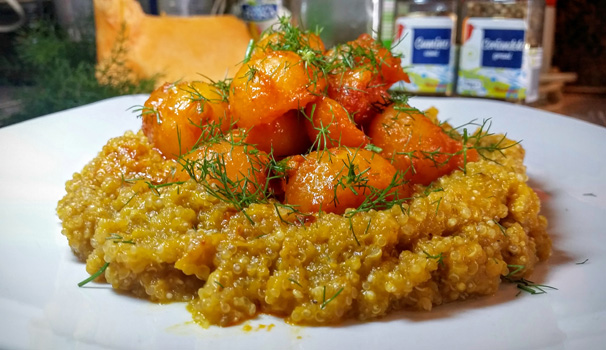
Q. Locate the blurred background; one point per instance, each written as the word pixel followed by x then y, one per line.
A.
pixel 49 57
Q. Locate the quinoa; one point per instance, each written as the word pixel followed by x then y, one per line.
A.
pixel 453 241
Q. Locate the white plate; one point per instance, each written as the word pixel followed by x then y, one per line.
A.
pixel 42 308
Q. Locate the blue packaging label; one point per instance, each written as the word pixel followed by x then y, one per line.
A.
pixel 502 48
pixel 431 46
pixel 493 60
pixel 259 13
pixel 427 53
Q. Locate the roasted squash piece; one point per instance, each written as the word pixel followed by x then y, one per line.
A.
pixel 266 88
pixel 227 167
pixel 362 72
pixel 417 146
pixel 176 116
pixel 329 125
pixel 335 179
pixel 282 137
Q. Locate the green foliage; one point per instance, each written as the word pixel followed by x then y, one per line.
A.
pixel 60 72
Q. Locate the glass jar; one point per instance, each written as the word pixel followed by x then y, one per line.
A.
pixel 259 15
pixel 500 49
pixel 340 20
pixel 184 7
pixel 424 37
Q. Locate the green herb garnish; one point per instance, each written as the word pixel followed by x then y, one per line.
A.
pixel 324 301
pixel 94 275
pixel 373 148
pixel 531 287
pixel 295 282
pixel 118 239
pixel 439 257
pixel 526 285
pixel 501 227
pixel 517 268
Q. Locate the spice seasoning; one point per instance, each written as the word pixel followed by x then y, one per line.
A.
pixel 425 34
pixel 500 55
